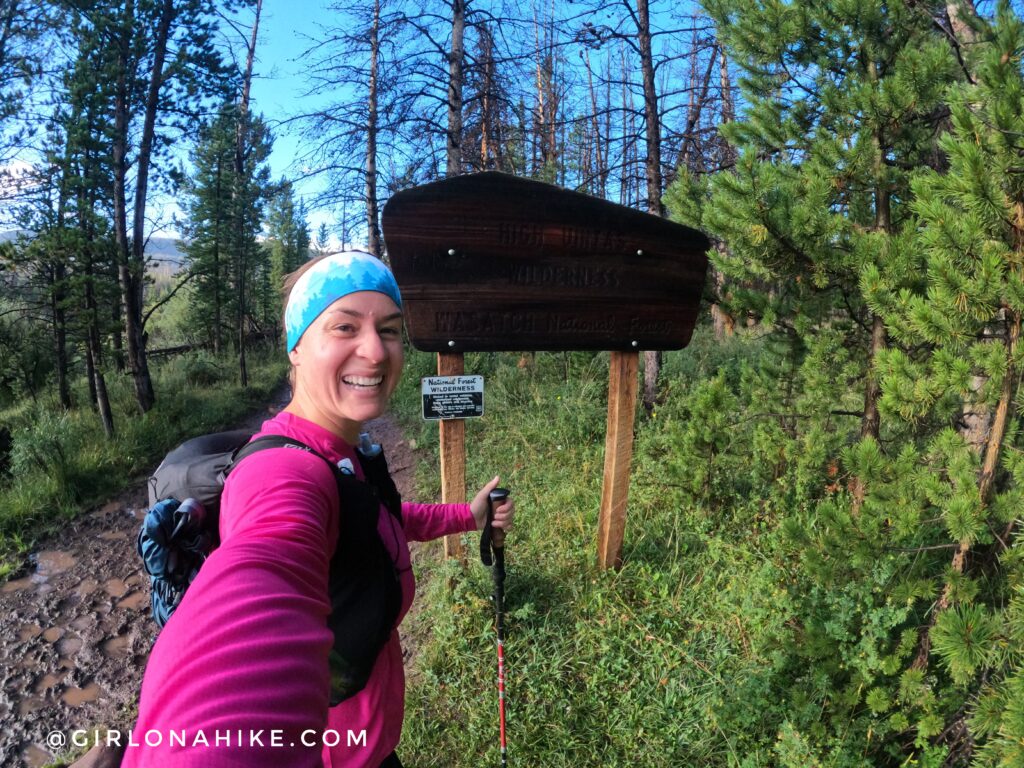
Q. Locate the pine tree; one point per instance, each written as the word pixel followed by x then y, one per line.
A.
pixel 843 105
pixel 287 243
pixel 323 239
pixel 225 217
pixel 89 181
pixel 159 53
pixel 962 328
pixel 24 27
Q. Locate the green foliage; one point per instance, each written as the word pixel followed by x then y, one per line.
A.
pixel 26 360
pixel 287 243
pixel 963 637
pixel 61 461
pixel 231 271
pixel 841 218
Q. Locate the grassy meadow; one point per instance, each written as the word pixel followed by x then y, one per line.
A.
pixel 654 665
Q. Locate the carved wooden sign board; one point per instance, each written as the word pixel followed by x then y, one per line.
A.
pixel 492 262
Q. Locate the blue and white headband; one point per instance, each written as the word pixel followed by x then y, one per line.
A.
pixel 327 281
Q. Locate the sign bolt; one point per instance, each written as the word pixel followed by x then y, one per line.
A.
pixel 451 251
pixel 635 343
pixel 451 343
pixel 639 252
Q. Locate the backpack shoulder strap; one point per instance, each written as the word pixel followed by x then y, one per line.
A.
pixel 274 441
pixel 375 469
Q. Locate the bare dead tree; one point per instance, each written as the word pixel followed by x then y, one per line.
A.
pixel 241 149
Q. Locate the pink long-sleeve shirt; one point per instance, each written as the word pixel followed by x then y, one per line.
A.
pixel 242 664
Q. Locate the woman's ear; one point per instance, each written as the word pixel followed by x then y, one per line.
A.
pixel 293 356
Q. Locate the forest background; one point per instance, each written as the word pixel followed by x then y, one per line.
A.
pixel 823 562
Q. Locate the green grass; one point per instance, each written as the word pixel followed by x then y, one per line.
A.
pixel 603 667
pixel 62 463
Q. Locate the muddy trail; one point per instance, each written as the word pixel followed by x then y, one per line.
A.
pixel 75 625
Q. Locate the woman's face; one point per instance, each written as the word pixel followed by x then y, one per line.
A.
pixel 347 362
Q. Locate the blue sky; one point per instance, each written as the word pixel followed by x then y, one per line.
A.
pixel 286 29
pixel 279 82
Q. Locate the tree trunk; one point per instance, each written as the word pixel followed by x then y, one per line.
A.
pixel 976 417
pixel 652 170
pixel 241 141
pixel 455 61
pixel 696 109
pixel 117 320
pixel 652 166
pixel 723 323
pixel 90 377
pixel 135 331
pixel 870 424
pixel 131 268
pixel 489 144
pixel 243 371
pixel 100 384
pixel 631 171
pixel 372 216
pixel 97 383
pixel 600 155
pixel 218 320
pixel 56 273
pixel 871 421
pixel 60 336
pixel 986 480
pixel 539 132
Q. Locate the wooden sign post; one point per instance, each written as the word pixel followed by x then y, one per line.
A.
pixel 453 454
pixel 618 455
pixel 491 262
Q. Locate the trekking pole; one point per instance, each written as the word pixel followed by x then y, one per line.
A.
pixel 495 539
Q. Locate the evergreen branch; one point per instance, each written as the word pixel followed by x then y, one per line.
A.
pixel 922 549
pixel 855 316
pixel 24 309
pixel 168 297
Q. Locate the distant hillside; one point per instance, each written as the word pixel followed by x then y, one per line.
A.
pixel 10 234
pixel 163 250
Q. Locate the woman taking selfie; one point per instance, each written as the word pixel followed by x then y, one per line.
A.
pixel 285 649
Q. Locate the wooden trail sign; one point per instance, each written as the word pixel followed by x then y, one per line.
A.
pixel 494 262
pixel 491 262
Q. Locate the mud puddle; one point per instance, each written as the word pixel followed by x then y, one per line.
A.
pixel 76 629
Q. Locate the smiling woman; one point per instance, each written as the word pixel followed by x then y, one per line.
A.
pixel 347 363
pixel 286 643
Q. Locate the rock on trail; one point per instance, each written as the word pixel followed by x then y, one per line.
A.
pixel 75 631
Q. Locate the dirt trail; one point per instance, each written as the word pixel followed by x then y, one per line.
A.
pixel 76 630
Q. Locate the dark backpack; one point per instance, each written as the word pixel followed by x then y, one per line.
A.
pixel 363 584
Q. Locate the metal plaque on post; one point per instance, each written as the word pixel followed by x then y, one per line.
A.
pixel 452 397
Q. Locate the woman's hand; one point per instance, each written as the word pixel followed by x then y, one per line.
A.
pixel 503 513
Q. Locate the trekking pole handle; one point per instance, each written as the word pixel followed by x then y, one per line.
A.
pixel 494 498
pixel 490 537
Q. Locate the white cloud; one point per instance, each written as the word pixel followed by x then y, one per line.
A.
pixel 16 177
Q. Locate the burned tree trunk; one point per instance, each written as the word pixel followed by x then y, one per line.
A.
pixel 373 239
pixel 456 57
pixel 241 144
